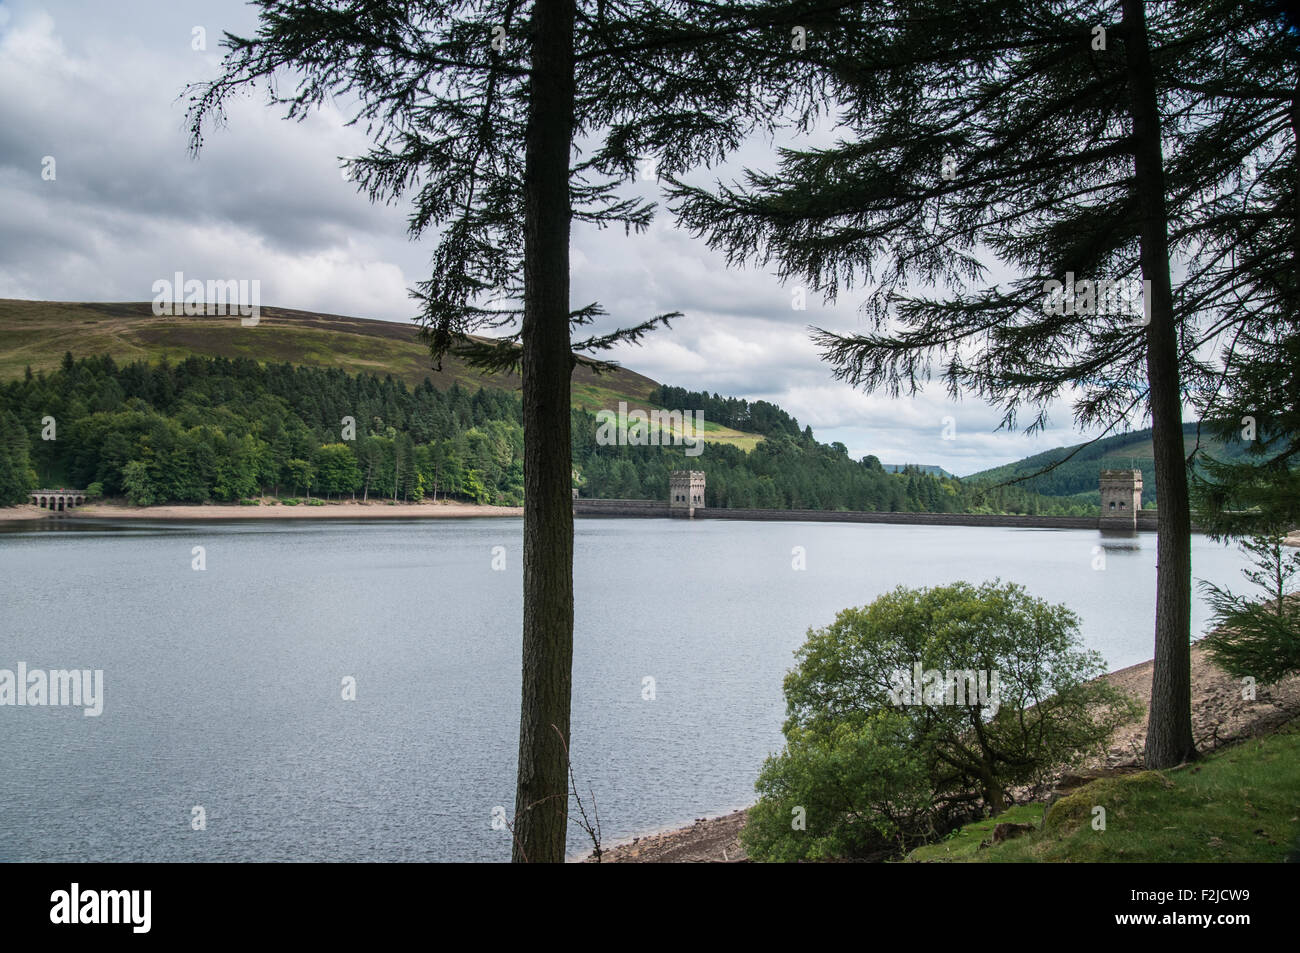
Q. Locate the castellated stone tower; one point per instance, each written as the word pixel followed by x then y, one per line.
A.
pixel 685 492
pixel 1121 498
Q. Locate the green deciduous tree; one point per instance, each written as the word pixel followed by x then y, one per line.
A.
pixel 299 474
pixel 884 744
pixel 137 485
pixel 336 469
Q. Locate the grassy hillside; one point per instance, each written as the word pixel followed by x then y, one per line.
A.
pixel 38 333
pixel 1077 478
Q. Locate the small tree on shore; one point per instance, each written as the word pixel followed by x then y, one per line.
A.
pixel 1252 638
pixel 884 745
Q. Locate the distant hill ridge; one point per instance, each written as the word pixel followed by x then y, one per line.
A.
pixel 1077 478
pixel 36 334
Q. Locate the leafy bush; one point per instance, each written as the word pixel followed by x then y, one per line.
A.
pixel 95 491
pixel 857 784
pixel 884 746
pixel 290 501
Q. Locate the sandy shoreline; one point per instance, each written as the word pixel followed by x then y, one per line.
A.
pixel 375 509
pixel 273 509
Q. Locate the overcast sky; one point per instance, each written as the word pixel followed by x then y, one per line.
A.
pixel 97 85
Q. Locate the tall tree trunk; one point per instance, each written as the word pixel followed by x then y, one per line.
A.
pixel 541 797
pixel 1169 724
pixel 1290 286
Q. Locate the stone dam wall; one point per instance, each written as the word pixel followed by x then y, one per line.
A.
pixel 656 509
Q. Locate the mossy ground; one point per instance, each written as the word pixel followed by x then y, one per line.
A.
pixel 1240 804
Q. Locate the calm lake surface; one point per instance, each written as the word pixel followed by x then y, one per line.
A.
pixel 223 687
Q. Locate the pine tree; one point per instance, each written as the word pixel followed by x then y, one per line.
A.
pixel 17 478
pixel 1065 143
pixel 479 110
pixel 1250 232
pixel 1252 638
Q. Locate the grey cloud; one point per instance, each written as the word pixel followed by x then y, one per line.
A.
pixel 97 85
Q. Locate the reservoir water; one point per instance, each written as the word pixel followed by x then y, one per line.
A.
pixel 223 688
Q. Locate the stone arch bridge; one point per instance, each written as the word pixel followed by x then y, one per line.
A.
pixel 58 500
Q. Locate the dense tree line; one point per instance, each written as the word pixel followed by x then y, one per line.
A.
pixel 220 429
pixel 791 472
pixel 224 430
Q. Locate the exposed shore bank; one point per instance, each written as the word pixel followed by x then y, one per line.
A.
pixel 384 509
pixel 1145 521
pixel 374 509
pixel 1219 715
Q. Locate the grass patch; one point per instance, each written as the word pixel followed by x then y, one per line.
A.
pixel 964 843
pixel 1241 804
